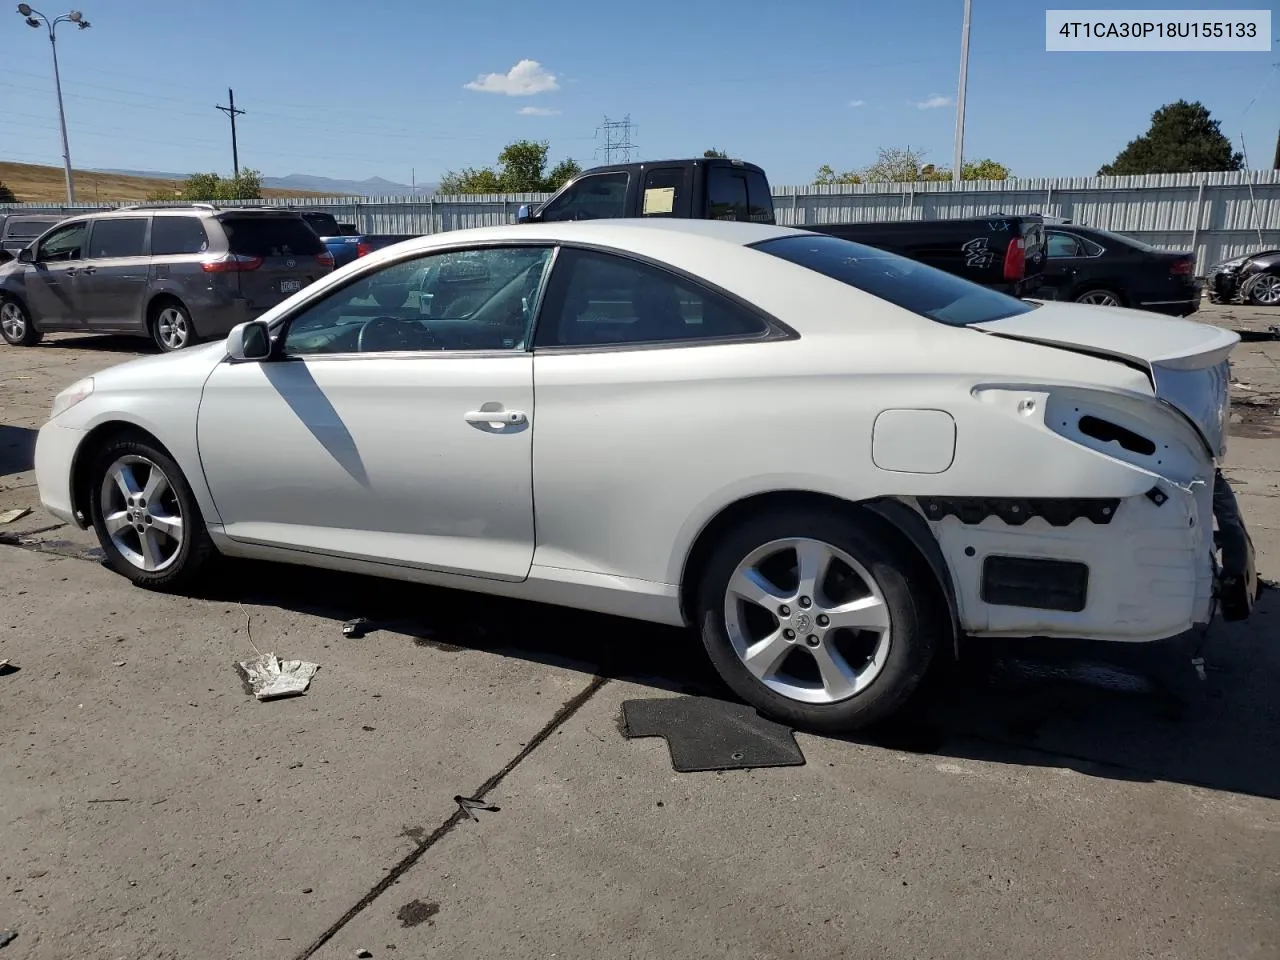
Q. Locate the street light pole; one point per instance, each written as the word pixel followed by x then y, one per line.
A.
pixel 34 18
pixel 960 98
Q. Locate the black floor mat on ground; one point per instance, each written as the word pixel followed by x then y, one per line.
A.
pixel 703 733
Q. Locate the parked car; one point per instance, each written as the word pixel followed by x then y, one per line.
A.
pixel 832 461
pixel 1002 252
pixel 178 275
pixel 699 189
pixel 1088 265
pixel 343 241
pixel 1252 279
pixel 18 230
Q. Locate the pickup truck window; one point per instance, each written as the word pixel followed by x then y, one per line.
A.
pixel 592 197
pixel 726 194
pixel 324 224
pixel 759 198
pixel 664 193
pixel 905 283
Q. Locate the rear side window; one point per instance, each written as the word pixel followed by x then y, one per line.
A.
pixel 759 199
pixel 905 283
pixel 271 236
pixel 1065 245
pixel 726 194
pixel 176 235
pixel 598 299
pixel 118 238
pixel 664 193
pixel 324 224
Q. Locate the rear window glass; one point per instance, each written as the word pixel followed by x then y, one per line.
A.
pixel 905 283
pixel 28 229
pixel 271 236
pixel 324 224
pixel 759 199
pixel 1120 238
pixel 176 235
pixel 726 194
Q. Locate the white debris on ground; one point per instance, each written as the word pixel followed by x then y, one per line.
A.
pixel 271 678
pixel 9 516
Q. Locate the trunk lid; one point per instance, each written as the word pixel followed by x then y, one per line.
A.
pixel 285 255
pixel 1186 361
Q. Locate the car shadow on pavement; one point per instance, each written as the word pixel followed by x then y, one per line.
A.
pixel 17 449
pixel 106 343
pixel 1135 712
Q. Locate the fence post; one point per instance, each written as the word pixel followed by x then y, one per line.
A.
pixel 1048 200
pixel 1195 224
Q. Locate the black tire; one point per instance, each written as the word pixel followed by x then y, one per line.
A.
pixel 195 548
pixel 15 324
pixel 170 325
pixel 919 622
pixel 1083 295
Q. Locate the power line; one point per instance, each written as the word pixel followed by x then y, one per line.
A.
pixel 232 112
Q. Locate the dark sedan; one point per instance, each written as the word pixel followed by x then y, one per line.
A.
pixel 1089 265
pixel 1254 279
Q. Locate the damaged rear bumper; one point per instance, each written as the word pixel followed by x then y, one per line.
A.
pixel 1133 569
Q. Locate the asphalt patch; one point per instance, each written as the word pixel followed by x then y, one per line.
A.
pixel 415 912
pixel 704 733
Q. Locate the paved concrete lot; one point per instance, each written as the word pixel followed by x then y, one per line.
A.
pixel 1072 801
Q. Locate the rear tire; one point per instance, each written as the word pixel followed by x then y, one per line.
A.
pixel 146 516
pixel 1100 296
pixel 839 648
pixel 15 324
pixel 171 326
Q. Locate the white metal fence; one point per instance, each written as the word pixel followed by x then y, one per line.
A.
pixel 1218 215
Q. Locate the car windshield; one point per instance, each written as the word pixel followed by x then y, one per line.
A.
pixel 905 283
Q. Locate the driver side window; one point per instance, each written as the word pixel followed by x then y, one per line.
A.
pixel 65 243
pixel 479 299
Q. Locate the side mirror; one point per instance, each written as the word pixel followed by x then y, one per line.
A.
pixel 249 341
pixel 524 214
pixel 27 255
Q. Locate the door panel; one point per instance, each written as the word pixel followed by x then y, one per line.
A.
pixel 114 276
pixel 50 285
pixel 376 458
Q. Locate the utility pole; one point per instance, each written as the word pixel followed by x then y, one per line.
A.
pixel 960 99
pixel 232 112
pixel 1275 164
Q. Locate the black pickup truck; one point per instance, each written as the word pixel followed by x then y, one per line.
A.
pixel 1001 251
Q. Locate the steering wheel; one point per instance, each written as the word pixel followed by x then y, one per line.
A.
pixel 398 338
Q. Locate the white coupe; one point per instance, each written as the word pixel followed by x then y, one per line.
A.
pixel 831 461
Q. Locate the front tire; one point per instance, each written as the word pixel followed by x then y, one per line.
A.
pixel 171 326
pixel 1262 290
pixel 1100 297
pixel 818 618
pixel 15 324
pixel 145 516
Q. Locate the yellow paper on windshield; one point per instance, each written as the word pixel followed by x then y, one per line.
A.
pixel 659 200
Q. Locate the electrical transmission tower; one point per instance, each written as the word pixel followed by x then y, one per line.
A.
pixel 617 143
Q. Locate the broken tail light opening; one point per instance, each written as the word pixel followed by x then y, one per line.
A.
pixel 1015 259
pixel 363 249
pixel 231 263
pixel 325 260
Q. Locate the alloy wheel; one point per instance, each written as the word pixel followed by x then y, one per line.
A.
pixel 1099 298
pixel 1266 291
pixel 12 320
pixel 807 620
pixel 141 513
pixel 172 329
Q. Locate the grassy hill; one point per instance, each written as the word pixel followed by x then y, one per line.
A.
pixel 32 183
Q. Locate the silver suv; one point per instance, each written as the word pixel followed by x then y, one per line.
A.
pixel 178 275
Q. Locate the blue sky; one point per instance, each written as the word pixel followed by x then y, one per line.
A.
pixel 379 88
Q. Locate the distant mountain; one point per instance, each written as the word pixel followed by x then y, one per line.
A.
pixel 373 187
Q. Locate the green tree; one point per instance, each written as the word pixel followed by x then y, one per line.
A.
pixel 714 153
pixel 6 195
pixel 521 168
pixel 213 188
pixel 904 165
pixel 826 176
pixel 1182 138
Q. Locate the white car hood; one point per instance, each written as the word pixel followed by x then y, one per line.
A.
pixel 1187 361
pixel 193 363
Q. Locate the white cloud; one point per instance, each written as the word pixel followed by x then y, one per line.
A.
pixel 934 102
pixel 523 80
pixel 857 103
pixel 538 112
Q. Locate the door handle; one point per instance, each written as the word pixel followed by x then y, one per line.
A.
pixel 87 270
pixel 504 417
